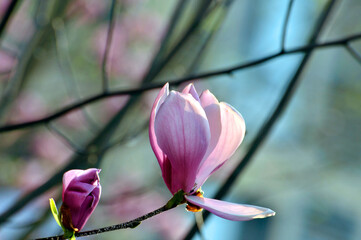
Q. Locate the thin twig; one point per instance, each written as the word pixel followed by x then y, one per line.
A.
pixel 130 224
pixel 199 222
pixel 285 24
pixel 196 77
pixel 271 120
pixel 354 53
pixel 64 60
pixel 107 47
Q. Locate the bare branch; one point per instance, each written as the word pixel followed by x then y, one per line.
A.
pixel 130 224
pixel 196 77
pixel 107 46
pixel 285 24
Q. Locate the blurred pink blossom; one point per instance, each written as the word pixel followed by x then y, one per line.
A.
pixel 33 173
pixel 4 4
pixel 73 119
pixel 113 105
pixel 88 10
pixel 144 27
pixel 117 48
pixel 47 146
pixel 127 55
pixel 130 3
pixel 7 62
pixel 28 107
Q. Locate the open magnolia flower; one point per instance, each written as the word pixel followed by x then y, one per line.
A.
pixel 192 137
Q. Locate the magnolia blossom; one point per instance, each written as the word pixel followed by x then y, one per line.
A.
pixel 81 194
pixel 192 136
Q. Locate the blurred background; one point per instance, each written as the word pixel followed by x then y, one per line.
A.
pixel 308 169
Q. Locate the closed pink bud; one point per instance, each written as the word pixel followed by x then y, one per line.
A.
pixel 81 194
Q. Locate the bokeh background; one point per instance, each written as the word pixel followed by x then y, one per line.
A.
pixel 308 169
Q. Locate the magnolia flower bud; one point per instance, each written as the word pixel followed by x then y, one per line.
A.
pixel 81 194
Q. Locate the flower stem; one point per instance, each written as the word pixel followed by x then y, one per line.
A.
pixel 131 224
pixel 199 221
pixel 175 200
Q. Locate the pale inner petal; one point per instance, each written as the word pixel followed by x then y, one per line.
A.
pixel 231 135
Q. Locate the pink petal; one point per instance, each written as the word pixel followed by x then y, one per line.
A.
pixel 88 207
pixel 183 134
pixel 69 176
pixel 212 108
pixel 7 61
pixel 90 175
pixel 152 137
pixel 230 137
pixel 191 90
pixel 230 211
pixel 78 183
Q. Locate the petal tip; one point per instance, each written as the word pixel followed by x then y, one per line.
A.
pixel 267 213
pixel 237 113
pixel 190 89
